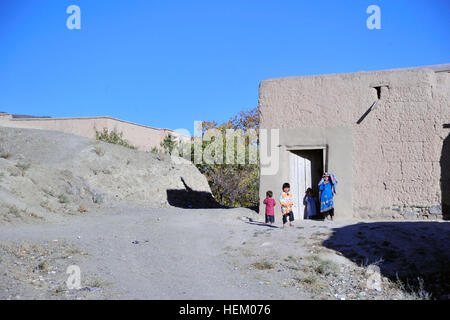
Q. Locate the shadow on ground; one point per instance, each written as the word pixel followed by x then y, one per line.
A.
pixel 190 199
pixel 410 249
pixel 262 224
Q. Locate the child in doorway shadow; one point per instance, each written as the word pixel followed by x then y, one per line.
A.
pixel 309 201
pixel 286 205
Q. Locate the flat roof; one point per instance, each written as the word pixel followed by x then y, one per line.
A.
pixel 16 117
pixel 436 68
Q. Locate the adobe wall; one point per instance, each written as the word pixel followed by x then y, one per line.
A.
pixel 143 137
pixel 395 153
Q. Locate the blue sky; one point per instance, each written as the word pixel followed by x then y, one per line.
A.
pixel 168 63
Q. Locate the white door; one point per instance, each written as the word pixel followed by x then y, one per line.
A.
pixel 300 169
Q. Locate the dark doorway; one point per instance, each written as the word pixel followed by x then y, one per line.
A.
pixel 445 177
pixel 306 167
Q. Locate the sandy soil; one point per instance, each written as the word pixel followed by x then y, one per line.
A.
pixel 137 252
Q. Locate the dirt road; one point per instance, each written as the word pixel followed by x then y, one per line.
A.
pixel 127 252
pixel 145 253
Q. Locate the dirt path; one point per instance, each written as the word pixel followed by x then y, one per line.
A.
pixel 131 252
pixel 180 254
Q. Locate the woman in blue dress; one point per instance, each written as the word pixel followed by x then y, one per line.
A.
pixel 327 189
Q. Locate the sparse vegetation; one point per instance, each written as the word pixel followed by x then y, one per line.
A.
pixel 63 198
pixel 14 173
pixel 113 137
pixel 263 265
pixel 43 266
pixel 155 150
pixel 12 210
pixel 95 283
pixel 169 143
pixel 46 205
pixel 327 267
pixel 23 167
pixel 61 288
pixel 49 192
pixel 39 268
pixel 236 184
pixel 309 279
pixel 5 154
pixel 99 151
pixel 34 215
pixel 322 266
pixel 413 292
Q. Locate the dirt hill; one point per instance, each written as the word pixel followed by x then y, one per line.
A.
pixel 43 173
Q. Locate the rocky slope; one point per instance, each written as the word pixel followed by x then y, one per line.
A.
pixel 43 173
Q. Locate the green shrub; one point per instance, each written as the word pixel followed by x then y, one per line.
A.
pixel 23 166
pixel 63 198
pixel 49 192
pixel 234 185
pixel 113 137
pixel 168 144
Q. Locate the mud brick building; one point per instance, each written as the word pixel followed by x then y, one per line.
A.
pixel 384 134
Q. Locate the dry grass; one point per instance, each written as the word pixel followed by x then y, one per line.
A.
pixel 43 266
pixel 413 293
pixel 49 192
pixel 96 283
pixel 13 211
pixel 23 167
pixel 60 289
pixel 63 198
pixel 33 215
pixel 82 209
pixel 263 265
pixel 319 235
pixel 293 263
pixel 308 279
pixel 99 151
pixel 322 266
pixel 5 154
pixel 46 205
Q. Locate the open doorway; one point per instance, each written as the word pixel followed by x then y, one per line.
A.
pixel 306 169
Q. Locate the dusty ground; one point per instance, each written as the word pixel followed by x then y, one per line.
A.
pixel 129 252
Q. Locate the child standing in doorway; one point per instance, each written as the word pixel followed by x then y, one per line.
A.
pixel 270 204
pixel 310 203
pixel 286 205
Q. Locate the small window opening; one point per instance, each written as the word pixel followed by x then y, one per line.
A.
pixel 378 92
pixel 378 89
